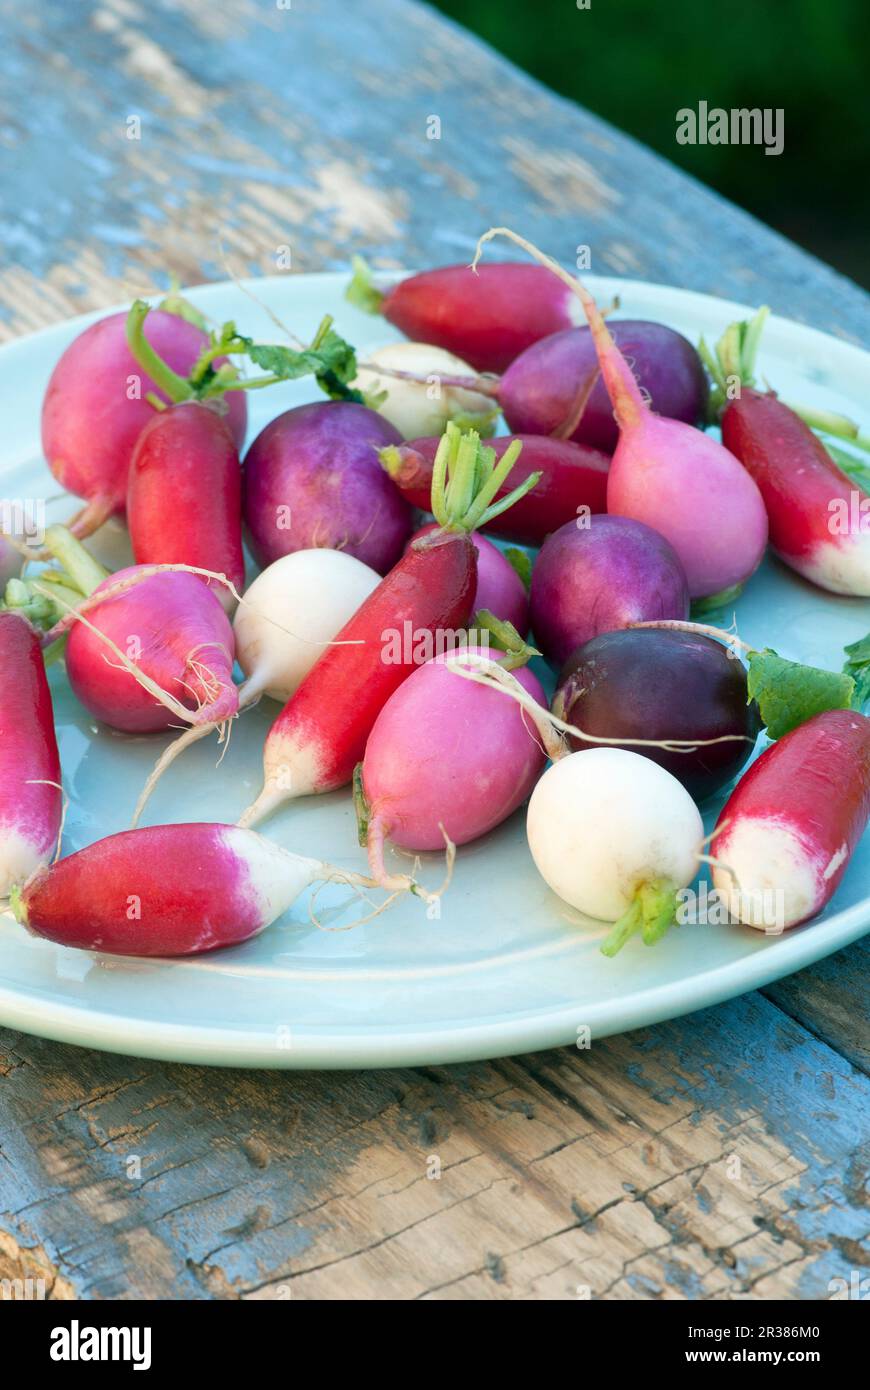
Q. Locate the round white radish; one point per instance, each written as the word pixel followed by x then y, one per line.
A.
pixel 291 611
pixel 418 409
pixel 604 824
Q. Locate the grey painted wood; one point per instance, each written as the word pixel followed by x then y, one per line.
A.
pixel 717 1156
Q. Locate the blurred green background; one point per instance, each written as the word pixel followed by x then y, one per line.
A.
pixel 636 62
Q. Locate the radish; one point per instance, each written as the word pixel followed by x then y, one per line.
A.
pixel 668 685
pixel 500 590
pixel 605 575
pixel 425 600
pixel 30 794
pixel 312 479
pixel 488 319
pixel 670 475
pixel 167 890
pixel 615 836
pixel 477 764
pixel 422 407
pixel 556 386
pixel 572 480
pixel 97 403
pixel 184 491
pixel 291 612
pixel 787 832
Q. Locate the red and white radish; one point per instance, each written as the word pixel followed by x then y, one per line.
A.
pixel 31 802
pixel 572 479
pixel 168 890
pixel 312 479
pixel 488 318
pixel 425 600
pixel 97 404
pixel 478 762
pixel 425 406
pixel 615 836
pixel 668 474
pixel 290 614
pixel 500 590
pixel 599 577
pixel 787 832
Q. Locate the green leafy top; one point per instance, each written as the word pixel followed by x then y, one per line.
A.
pixel 466 478
pixel 858 667
pixel 329 359
pixel 362 292
pixel 789 693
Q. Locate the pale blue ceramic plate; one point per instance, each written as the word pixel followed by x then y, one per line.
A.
pixel 508 967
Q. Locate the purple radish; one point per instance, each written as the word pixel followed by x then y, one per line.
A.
pixel 543 387
pixel 599 577
pixel 499 588
pixel 96 405
pixel 313 480
pixel 168 890
pixel 668 474
pixel 478 762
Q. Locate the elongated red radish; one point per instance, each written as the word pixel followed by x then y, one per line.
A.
pixel 668 474
pixel 477 763
pixel 787 832
pixel 500 590
pixel 422 407
pixel 184 497
pixel 487 319
pixel 168 890
pixel 291 612
pixel 320 735
pixel 572 478
pixel 818 516
pixel 30 794
pixel 97 403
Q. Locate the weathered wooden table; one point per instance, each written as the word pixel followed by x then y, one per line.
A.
pixel 720 1156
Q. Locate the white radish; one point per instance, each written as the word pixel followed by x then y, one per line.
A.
pixel 424 407
pixel 615 836
pixel 291 612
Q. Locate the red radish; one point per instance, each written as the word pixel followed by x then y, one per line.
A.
pixel 96 406
pixel 312 480
pixel 818 517
pixel 167 890
pixel 668 474
pixel 184 498
pixel 787 832
pixel 479 762
pixel 499 588
pixel 425 600
pixel 487 319
pixel 30 795
pixel 572 477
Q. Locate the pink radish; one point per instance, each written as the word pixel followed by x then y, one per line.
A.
pixel 30 795
pixel 669 475
pixel 96 406
pixel 487 319
pixel 320 735
pixel 787 832
pixel 499 588
pixel 478 762
pixel 167 890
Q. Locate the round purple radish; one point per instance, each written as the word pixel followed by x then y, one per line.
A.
pixel 446 752
pixel 174 629
pixel 644 683
pixel 313 480
pixel 542 389
pixel 499 588
pixel 601 576
pixel 96 405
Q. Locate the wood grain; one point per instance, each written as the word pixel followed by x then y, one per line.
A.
pixel 720 1156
